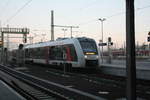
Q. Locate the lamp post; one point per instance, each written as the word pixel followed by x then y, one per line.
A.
pixel 64 31
pixel 102 20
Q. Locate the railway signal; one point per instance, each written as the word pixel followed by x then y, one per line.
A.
pixel 24 38
pixel 104 44
pixel 109 49
pixel 111 43
pixel 148 39
pixel 109 39
pixel 7 30
pixel 149 33
pixel 1 43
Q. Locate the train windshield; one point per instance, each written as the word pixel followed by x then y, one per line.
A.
pixel 88 46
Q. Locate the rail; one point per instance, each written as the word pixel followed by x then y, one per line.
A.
pixel 50 87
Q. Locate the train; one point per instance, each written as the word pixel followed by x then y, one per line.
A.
pixel 79 52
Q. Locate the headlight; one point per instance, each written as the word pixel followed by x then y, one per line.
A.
pixel 97 57
pixel 90 53
pixel 85 56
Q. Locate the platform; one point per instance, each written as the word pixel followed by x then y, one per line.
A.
pixel 119 68
pixel 7 93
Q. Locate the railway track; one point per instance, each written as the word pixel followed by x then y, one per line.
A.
pixel 142 85
pixel 93 74
pixel 61 92
pixel 113 84
pixel 24 86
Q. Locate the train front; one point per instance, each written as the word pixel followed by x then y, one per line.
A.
pixel 90 52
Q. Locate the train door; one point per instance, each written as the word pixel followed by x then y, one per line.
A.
pixel 68 54
pixel 46 55
pixel 71 53
pixel 67 58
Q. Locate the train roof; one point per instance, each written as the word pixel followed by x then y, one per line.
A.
pixel 59 41
pixel 51 43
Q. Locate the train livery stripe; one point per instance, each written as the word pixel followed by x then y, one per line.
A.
pixel 68 54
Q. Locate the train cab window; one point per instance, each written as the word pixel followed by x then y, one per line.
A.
pixel 88 45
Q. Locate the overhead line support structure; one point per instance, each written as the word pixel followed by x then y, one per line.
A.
pixel 6 30
pixel 67 27
pixel 52 25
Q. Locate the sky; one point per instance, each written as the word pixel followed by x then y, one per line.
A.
pixel 35 15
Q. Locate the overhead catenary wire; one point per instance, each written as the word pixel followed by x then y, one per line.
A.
pixel 19 10
pixel 120 13
pixel 140 8
pixel 89 5
pixel 4 8
pixel 113 15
